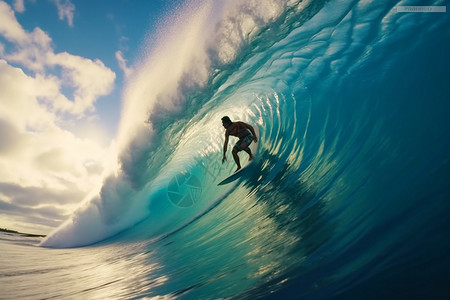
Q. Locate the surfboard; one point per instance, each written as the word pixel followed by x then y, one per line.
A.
pixel 237 174
pixel 245 169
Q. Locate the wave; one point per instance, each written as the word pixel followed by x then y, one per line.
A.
pixel 291 68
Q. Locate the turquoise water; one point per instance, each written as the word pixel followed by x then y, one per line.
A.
pixel 347 197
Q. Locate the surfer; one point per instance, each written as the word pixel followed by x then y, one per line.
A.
pixel 246 135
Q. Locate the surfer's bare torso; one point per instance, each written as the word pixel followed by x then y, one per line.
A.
pixel 238 129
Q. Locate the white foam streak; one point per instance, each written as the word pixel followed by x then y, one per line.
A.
pixel 155 86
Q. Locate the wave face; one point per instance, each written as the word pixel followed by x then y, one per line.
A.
pixel 349 179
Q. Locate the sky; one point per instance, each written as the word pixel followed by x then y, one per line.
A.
pixel 63 68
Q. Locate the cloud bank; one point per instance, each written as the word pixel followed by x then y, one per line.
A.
pixel 45 169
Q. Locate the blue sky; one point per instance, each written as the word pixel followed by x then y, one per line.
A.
pixel 63 66
pixel 96 30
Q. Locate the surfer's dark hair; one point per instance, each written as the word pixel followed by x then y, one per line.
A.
pixel 227 120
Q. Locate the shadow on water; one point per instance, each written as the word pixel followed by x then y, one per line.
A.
pixel 292 206
pixel 286 200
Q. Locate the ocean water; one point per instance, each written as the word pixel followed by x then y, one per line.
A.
pixel 348 195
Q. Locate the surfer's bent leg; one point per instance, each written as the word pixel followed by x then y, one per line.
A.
pixel 242 144
pixel 249 153
pixel 245 143
pixel 236 158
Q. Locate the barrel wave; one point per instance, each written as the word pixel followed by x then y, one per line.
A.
pixel 348 190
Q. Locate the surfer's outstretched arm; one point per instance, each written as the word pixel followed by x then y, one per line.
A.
pixel 225 146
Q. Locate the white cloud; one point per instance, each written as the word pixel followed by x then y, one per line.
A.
pixel 9 27
pixel 19 6
pixel 45 169
pixel 66 10
pixel 123 63
pixel 37 155
pixel 88 79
